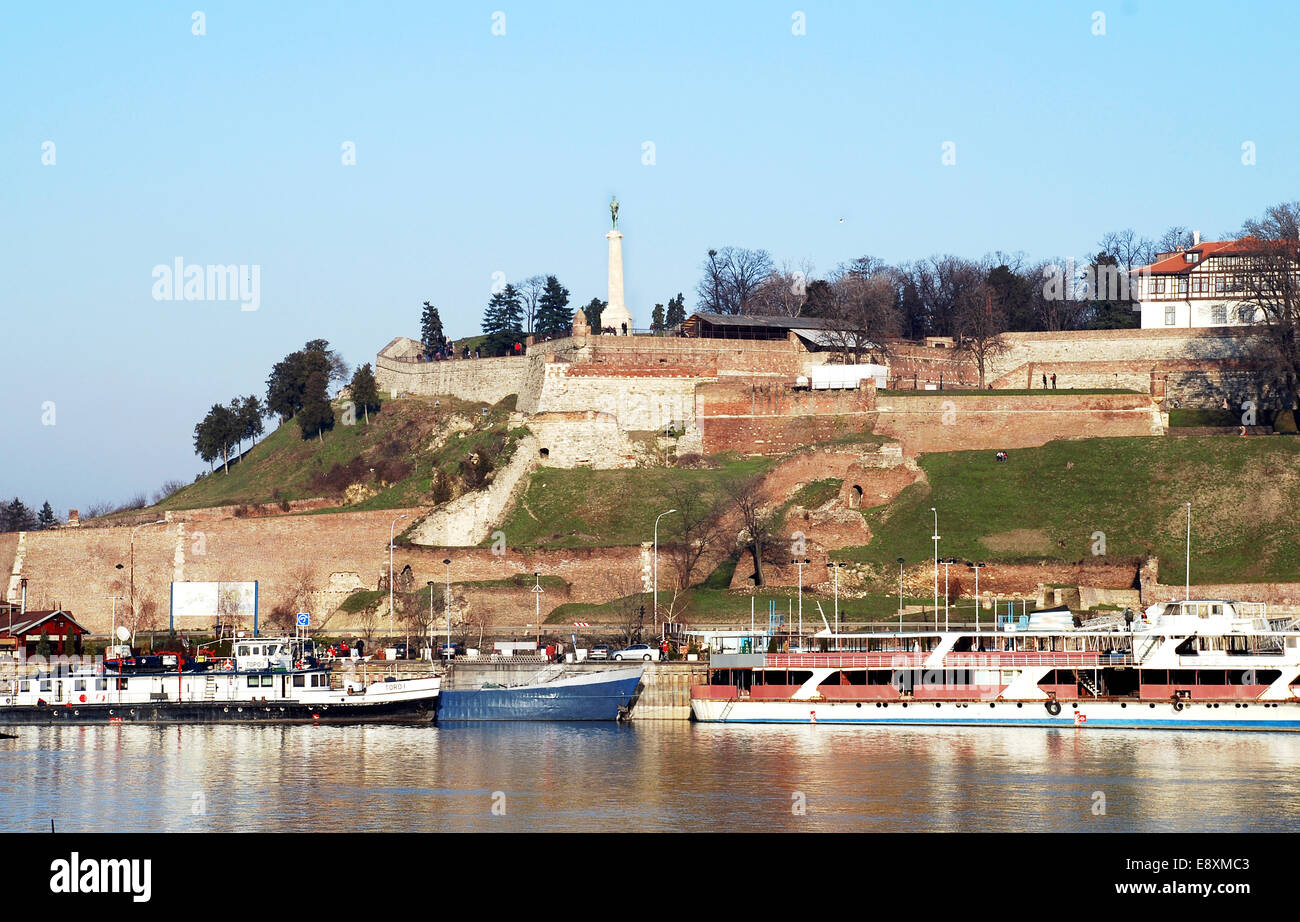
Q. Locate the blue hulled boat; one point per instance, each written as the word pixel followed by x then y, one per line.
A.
pixel 604 695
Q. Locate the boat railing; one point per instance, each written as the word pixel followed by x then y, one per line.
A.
pixel 992 659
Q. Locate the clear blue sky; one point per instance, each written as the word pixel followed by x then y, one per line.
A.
pixel 479 153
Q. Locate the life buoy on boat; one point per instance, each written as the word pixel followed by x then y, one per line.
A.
pixel 1053 707
pixel 228 665
pixel 300 664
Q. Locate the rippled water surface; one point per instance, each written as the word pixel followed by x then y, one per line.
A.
pixel 651 776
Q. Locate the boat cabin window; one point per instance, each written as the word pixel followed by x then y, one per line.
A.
pixel 300 680
pixel 79 685
pixel 46 685
pixel 253 681
pixel 1173 610
pixel 100 684
pixel 267 681
pixel 24 686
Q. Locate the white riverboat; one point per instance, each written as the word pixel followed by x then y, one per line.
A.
pixel 1195 664
pixel 266 679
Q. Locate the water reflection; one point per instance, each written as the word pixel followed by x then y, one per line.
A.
pixel 648 776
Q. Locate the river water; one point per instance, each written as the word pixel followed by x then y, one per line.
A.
pixel 649 776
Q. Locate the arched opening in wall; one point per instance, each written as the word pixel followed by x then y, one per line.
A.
pixel 855 497
pixel 545 452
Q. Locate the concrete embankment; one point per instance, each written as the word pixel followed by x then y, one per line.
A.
pixel 666 690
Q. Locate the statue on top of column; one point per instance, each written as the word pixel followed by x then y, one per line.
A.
pixel 613 211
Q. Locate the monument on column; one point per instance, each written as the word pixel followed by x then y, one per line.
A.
pixel 616 316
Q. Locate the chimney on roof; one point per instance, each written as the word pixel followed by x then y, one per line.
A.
pixel 1196 238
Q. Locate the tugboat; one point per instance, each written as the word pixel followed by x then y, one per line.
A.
pixel 266 679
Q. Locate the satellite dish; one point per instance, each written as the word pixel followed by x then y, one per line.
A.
pixel 123 634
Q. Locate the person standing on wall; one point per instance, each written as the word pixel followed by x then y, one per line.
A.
pixel 1053 380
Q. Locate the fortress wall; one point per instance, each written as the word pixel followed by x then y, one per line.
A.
pixel 488 380
pixel 757 417
pixel 77 567
pixel 932 422
pixel 574 438
pixel 635 402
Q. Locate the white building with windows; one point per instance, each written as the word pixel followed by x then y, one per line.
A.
pixel 1196 287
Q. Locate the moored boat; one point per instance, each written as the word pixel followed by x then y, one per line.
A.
pixel 557 693
pixel 265 680
pixel 1195 664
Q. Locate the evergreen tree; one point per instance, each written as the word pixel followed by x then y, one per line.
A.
pixel 554 317
pixel 657 319
pixel 365 393
pixel 17 517
pixel 593 311
pixel 316 414
pixel 287 385
pixel 46 518
pixel 250 416
pixel 431 334
pixel 503 322
pixel 216 433
pixel 676 311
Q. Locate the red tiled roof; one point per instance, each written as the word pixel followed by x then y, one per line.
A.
pixel 1178 264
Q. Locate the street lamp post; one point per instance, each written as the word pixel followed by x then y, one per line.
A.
pixel 947 561
pixel 1187 570
pixel 390 572
pixel 800 564
pixel 430 584
pixel 936 566
pixel 446 598
pixel 835 569
pixel 537 595
pixel 976 567
pixel 656 565
pixel 900 595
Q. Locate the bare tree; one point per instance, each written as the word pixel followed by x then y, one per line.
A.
pixel 697 526
pixel 530 291
pixel 1128 249
pixel 1174 239
pixel 732 278
pixel 758 523
pixel 866 309
pixel 980 322
pixel 1269 290
pixel 785 292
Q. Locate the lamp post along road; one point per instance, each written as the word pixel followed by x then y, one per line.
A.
pixel 537 594
pixel 936 566
pixel 656 565
pixel 900 594
pixel 446 598
pixel 390 572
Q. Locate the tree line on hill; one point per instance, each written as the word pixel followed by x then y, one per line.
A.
pixel 18 516
pixel 298 389
pixel 976 301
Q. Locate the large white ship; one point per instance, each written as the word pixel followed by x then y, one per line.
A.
pixel 1195 664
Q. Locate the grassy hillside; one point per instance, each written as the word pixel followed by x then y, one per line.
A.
pixel 587 508
pixel 395 454
pixel 1050 502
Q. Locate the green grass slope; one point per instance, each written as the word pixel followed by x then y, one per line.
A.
pixel 1051 503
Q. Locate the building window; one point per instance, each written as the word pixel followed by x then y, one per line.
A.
pixel 1182 286
pixel 1220 285
pixel 1169 316
pixel 1246 313
pixel 1201 285
pixel 1160 286
pixel 1219 313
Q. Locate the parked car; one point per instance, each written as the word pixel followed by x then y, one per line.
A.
pixel 641 651
pixel 402 651
pixel 599 651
